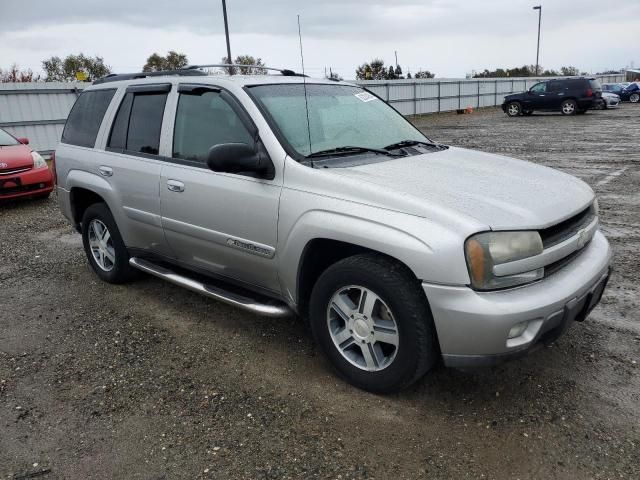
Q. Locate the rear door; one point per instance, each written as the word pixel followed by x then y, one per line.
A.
pixel 223 223
pixel 132 165
pixel 555 93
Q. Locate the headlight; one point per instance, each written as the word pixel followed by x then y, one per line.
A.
pixel 485 250
pixel 38 161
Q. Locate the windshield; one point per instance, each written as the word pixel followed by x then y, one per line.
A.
pixel 339 116
pixel 6 139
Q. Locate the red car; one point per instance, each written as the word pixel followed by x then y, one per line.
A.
pixel 23 172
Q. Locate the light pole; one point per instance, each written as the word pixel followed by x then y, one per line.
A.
pixel 226 31
pixel 539 8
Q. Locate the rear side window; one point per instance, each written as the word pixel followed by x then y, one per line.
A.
pixel 138 122
pixel 205 119
pixel 86 117
pixel 595 84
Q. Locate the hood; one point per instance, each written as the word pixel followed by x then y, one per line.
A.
pixel 15 156
pixel 500 192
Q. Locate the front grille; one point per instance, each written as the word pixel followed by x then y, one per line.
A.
pixel 20 189
pixel 13 171
pixel 558 233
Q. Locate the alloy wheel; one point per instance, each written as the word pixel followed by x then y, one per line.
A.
pixel 101 245
pixel 514 109
pixel 634 98
pixel 568 108
pixel 362 328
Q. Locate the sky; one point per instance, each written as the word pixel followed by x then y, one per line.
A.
pixel 448 37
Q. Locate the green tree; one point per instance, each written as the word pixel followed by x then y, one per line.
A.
pixel 424 74
pixel 14 75
pixel 65 70
pixel 398 72
pixel 255 66
pixel 333 76
pixel 409 75
pixel 173 61
pixel 374 70
pixel 391 74
pixel 569 71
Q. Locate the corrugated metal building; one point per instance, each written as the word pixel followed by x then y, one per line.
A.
pixel 37 111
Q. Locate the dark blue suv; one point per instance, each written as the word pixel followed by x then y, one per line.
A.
pixel 570 96
pixel 630 93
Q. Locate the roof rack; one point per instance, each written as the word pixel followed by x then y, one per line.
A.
pixel 190 71
pixel 114 77
pixel 284 71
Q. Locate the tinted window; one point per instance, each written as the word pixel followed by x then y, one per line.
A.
pixel 204 119
pixel 86 116
pixel 539 87
pixel 554 87
pixel 145 123
pixel 595 84
pixel 118 137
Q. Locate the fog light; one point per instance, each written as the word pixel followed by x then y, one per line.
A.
pixel 518 329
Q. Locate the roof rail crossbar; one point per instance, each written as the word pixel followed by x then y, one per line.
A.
pixel 114 77
pixel 284 71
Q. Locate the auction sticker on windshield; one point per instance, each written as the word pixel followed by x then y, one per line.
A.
pixel 365 96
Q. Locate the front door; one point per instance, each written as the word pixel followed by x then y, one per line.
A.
pixel 220 222
pixel 537 97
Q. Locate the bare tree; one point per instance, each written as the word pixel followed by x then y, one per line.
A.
pixel 15 75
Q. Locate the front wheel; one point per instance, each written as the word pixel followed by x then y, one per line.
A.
pixel 569 107
pixel 103 245
pixel 371 318
pixel 514 109
pixel 634 97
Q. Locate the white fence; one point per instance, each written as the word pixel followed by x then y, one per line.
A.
pixel 415 97
pixel 39 110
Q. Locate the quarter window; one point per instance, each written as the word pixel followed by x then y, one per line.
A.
pixel 204 119
pixel 86 117
pixel 137 125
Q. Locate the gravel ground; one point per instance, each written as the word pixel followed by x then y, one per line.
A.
pixel 151 381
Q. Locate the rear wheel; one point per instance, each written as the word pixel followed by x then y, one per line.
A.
pixel 569 107
pixel 371 319
pixel 634 97
pixel 103 245
pixel 514 109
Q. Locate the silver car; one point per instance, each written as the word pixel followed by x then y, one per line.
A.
pixel 610 100
pixel 282 194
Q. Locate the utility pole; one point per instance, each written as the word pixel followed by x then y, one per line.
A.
pixel 226 32
pixel 539 8
pixel 396 53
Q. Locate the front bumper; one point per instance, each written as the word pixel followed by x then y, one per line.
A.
pixel 30 183
pixel 473 327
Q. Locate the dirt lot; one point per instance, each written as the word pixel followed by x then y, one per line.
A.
pixel 151 381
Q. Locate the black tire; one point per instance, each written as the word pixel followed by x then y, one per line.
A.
pixel 569 107
pixel 417 350
pixel 527 113
pixel 634 97
pixel 120 271
pixel 513 109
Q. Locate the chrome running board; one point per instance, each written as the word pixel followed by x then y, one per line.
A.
pixel 271 308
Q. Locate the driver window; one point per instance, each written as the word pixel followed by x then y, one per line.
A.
pixel 204 119
pixel 539 87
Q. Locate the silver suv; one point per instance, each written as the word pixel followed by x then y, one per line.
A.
pixel 281 194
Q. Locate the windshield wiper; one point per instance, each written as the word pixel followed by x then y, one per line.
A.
pixel 411 143
pixel 348 150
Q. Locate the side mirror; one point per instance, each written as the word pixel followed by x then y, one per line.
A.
pixel 240 158
pixel 23 140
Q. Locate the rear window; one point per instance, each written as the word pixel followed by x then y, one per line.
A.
pixel 595 84
pixel 138 123
pixel 86 117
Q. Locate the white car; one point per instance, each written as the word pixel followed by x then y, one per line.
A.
pixel 609 100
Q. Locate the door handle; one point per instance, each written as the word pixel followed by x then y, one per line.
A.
pixel 105 171
pixel 175 186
